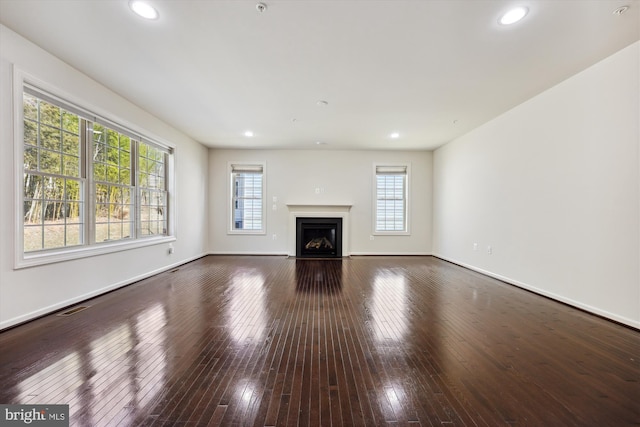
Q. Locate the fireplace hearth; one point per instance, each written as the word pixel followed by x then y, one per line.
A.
pixel 318 237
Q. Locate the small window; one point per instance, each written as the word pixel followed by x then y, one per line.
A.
pixel 391 199
pixel 247 198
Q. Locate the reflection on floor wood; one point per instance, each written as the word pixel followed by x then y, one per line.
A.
pixel 267 341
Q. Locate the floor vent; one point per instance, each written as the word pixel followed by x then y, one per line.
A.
pixel 74 310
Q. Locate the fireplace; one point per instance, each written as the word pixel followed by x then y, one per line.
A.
pixel 318 237
pixel 313 211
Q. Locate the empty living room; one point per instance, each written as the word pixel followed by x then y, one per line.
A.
pixel 320 213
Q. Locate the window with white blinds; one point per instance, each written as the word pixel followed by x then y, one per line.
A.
pixel 247 198
pixel 391 198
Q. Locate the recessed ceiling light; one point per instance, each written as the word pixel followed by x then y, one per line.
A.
pixel 322 103
pixel 514 15
pixel 394 135
pixel 621 10
pixel 143 9
pixel 248 134
pixel 320 143
pixel 261 7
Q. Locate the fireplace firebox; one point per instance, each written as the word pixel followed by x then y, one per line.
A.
pixel 318 237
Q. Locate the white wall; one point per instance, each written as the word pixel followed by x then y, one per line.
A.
pixel 554 187
pixel 30 292
pixel 345 177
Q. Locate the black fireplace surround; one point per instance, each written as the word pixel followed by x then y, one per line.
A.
pixel 318 237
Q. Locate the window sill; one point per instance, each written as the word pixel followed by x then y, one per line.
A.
pixel 391 233
pixel 68 254
pixel 247 232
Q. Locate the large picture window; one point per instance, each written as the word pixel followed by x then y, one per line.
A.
pixel 391 199
pixel 87 182
pixel 247 198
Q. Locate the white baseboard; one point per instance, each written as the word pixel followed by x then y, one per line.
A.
pixel 612 316
pixel 72 301
pixel 253 253
pixel 248 253
pixel 390 253
pixel 60 305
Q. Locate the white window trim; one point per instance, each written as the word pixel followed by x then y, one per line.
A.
pixel 407 199
pixel 229 201
pixel 25 260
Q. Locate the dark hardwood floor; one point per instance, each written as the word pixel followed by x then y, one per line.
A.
pixel 363 341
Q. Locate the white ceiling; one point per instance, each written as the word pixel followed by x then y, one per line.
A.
pixel 430 70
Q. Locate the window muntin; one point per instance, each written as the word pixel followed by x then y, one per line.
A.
pixel 391 199
pixel 53 202
pixel 80 182
pixel 152 186
pixel 247 198
pixel 112 165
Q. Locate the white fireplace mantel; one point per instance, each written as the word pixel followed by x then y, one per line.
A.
pixel 328 210
pixel 304 207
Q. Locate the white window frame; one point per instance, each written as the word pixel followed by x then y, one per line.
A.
pixel 89 248
pixel 231 166
pixel 407 205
